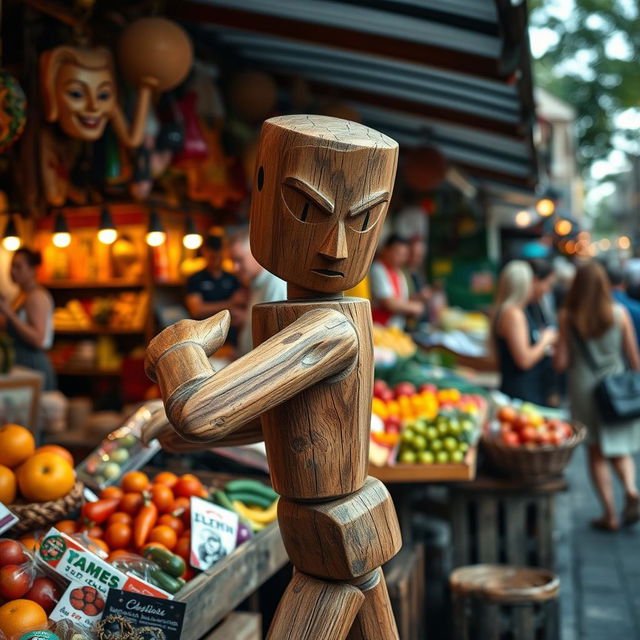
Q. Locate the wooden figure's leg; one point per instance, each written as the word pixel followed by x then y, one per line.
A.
pixel 375 619
pixel 312 609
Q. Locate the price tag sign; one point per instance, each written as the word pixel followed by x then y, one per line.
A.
pixel 7 519
pixel 158 617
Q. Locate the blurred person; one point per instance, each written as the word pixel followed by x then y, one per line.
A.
pixel 618 289
pixel 213 289
pixel 591 322
pixel 517 350
pixel 262 285
pixel 389 288
pixel 29 318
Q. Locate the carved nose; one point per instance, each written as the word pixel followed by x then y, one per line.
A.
pixel 334 246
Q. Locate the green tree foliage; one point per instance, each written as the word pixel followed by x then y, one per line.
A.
pixel 592 65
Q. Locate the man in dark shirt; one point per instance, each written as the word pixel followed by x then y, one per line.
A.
pixel 213 289
pixel 616 278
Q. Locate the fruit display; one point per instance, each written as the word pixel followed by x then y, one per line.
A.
pixel 119 452
pixel 126 311
pixel 255 503
pixel 425 425
pixel 32 475
pixel 391 343
pixel 526 427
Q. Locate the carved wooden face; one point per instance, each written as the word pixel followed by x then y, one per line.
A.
pixel 85 99
pixel 320 200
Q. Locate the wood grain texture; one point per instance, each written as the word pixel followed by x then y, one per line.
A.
pixel 239 625
pixel 375 619
pixel 318 440
pixel 361 530
pixel 321 193
pixel 313 610
pixel 212 594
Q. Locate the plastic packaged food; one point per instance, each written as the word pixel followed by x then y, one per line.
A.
pixel 121 451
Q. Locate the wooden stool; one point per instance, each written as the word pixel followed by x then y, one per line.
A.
pixel 495 520
pixel 494 602
pixel 405 582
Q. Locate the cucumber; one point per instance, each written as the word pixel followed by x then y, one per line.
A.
pixel 169 562
pixel 252 486
pixel 221 498
pixel 165 581
pixel 249 497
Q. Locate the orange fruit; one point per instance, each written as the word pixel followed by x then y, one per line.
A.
pixel 45 476
pixel 166 477
pixel 134 481
pixel 109 493
pixel 164 535
pixel 101 544
pixel 31 543
pixel 8 485
pixel 67 526
pixel 19 616
pixel 57 449
pixel 16 445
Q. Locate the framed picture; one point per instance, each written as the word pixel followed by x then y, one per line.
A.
pixel 20 398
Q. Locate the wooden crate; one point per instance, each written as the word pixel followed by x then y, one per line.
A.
pixel 239 625
pixel 499 521
pixel 405 582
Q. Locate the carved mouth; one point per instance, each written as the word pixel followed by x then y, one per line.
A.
pixel 90 123
pixel 329 272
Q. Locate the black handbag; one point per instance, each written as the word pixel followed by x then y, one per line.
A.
pixel 617 395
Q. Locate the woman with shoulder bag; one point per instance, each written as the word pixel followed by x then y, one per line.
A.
pixel 597 339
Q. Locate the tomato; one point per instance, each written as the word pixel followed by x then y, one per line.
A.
pixel 134 481
pixel 45 592
pixel 20 616
pixel 164 535
pixel 131 503
pixel 118 536
pixel 162 497
pixel 118 553
pixel 172 521
pixel 119 516
pixel 166 477
pixel 111 492
pixel 511 438
pixel 93 531
pixel 11 552
pixel 101 545
pixel 182 509
pixel 45 476
pixel 99 511
pixel 66 526
pixel 507 414
pixel 188 485
pixel 183 548
pixel 31 543
pixel 14 581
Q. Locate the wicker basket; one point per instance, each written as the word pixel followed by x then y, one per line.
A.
pixel 533 465
pixel 41 515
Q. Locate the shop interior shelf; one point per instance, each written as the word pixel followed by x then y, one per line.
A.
pixel 449 472
pixel 100 331
pixel 112 283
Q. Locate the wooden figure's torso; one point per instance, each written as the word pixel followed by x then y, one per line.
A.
pixel 318 441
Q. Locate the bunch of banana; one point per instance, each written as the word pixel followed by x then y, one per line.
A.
pixel 255 503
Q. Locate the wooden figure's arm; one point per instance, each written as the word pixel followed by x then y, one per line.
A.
pixel 204 406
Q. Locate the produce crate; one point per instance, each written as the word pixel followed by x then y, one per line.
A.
pixel 239 625
pixel 448 472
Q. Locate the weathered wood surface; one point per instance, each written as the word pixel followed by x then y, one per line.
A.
pixel 211 595
pixel 239 625
pixel 313 609
pixel 374 620
pixel 362 530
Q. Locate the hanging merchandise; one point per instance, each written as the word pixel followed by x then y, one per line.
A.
pixel 13 110
pixel 79 91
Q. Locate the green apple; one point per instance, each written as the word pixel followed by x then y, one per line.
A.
pixel 443 428
pixel 408 436
pixel 467 425
pixel 407 456
pixel 110 470
pixel 432 433
pixel 120 455
pixel 127 441
pixel 426 457
pixel 437 445
pixel 456 456
pixel 442 457
pixel 463 447
pixel 419 443
pixel 450 443
pixel 455 427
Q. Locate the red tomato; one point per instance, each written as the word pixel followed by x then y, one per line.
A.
pixel 45 592
pixel 162 497
pixel 511 438
pixel 529 434
pixel 404 389
pixel 14 581
pixel 11 552
pixel 507 414
pixel 188 485
pixel 118 536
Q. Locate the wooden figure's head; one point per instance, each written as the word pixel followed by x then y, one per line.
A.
pixel 320 196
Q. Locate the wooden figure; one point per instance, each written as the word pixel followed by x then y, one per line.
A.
pixel 320 195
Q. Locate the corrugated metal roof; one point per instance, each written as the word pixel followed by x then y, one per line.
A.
pixel 458 69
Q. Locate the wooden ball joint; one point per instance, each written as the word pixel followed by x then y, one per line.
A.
pixel 321 193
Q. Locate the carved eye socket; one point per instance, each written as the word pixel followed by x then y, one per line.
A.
pixel 76 94
pixel 103 96
pixel 367 219
pixel 302 208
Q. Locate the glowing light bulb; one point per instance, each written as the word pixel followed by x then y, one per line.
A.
pixel 624 242
pixel 192 240
pixel 107 236
pixel 545 207
pixel 156 238
pixel 11 243
pixel 523 218
pixel 563 227
pixel 62 239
